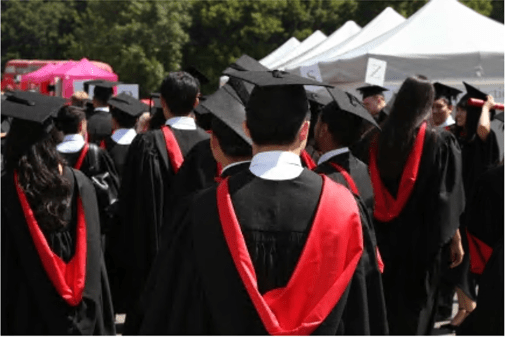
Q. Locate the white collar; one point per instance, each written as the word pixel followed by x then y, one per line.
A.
pixel 71 144
pixel 327 155
pixel 449 121
pixel 234 164
pixel 276 165
pixel 182 123
pixel 102 108
pixel 124 136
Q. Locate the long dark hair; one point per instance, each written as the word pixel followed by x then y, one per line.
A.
pixel 468 132
pixel 31 151
pixel 411 107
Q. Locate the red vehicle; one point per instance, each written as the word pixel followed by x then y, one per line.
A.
pixel 11 78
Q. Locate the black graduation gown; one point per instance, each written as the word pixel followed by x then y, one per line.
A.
pixel 99 126
pixel 357 170
pixel 118 153
pixel 88 167
pixel 477 157
pixel 198 171
pixel 411 244
pixel 30 302
pixel 194 287
pixel 92 166
pixel 371 293
pixel 145 204
pixel 485 221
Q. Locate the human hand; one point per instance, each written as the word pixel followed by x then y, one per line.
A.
pixel 456 250
pixel 489 103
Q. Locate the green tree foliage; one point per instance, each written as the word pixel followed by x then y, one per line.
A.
pixel 36 29
pixel 141 40
pixel 144 40
pixel 497 10
pixel 224 30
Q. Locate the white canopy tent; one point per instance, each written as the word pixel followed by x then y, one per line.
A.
pixel 311 41
pixel 344 33
pixel 281 51
pixel 385 21
pixel 443 40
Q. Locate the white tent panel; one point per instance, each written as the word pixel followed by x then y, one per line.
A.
pixel 384 22
pixel 311 41
pixel 281 51
pixel 443 40
pixel 344 33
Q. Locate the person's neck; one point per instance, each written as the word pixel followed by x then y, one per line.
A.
pixel 225 161
pixel 169 115
pixel 294 148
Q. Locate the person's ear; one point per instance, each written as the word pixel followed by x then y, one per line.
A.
pixel 304 131
pixel 246 129
pixel 82 126
pixel 197 101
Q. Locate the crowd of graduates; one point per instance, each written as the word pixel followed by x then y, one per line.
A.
pixel 261 208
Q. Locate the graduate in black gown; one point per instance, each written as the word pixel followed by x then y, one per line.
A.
pixel 374 101
pixel 152 162
pixel 485 229
pixel 337 127
pixel 443 106
pixel 54 280
pixel 200 168
pixel 278 265
pixel 441 117
pixel 417 183
pixel 99 120
pixel 89 158
pixel 125 111
pixel 480 152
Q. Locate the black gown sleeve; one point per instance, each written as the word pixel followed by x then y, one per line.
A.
pixel 136 236
pixel 172 303
pixel 365 311
pixel 451 198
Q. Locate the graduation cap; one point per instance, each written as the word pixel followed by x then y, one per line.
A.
pixel 500 117
pixel 203 80
pixel 128 105
pixel 445 91
pixel 86 85
pixel 32 107
pixel 371 90
pixel 274 78
pixel 277 92
pixel 348 103
pixel 247 63
pixel 473 92
pixel 321 99
pixel 226 105
pixel 104 90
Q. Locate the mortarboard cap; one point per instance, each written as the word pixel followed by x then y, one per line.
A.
pixel 371 90
pixel 32 107
pixel 500 117
pixel 274 78
pixel 226 105
pixel 278 93
pixel 128 105
pixel 473 92
pixel 445 91
pixel 247 63
pixel 322 98
pixel 203 80
pixel 350 104
pixel 86 85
